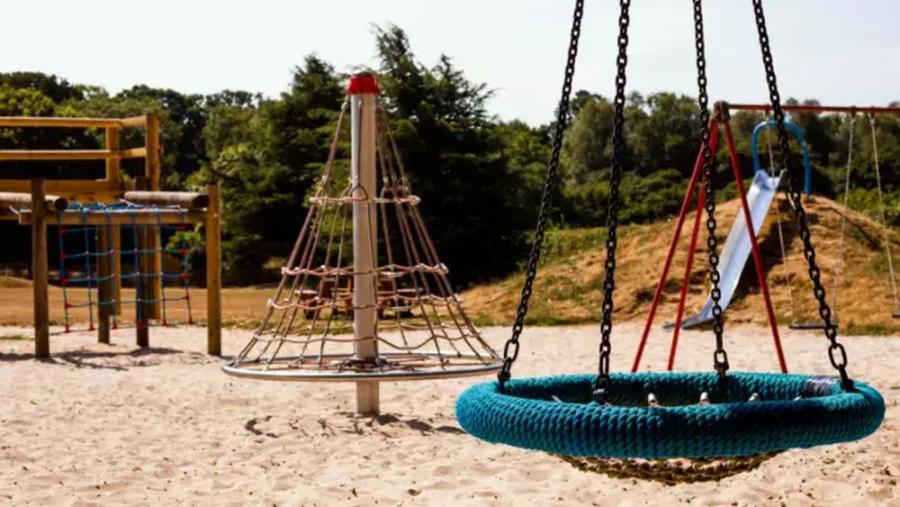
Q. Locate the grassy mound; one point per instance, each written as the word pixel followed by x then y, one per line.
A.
pixel 568 287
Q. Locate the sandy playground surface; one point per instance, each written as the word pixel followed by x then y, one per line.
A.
pixel 101 425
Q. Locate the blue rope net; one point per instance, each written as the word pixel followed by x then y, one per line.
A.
pixel 82 259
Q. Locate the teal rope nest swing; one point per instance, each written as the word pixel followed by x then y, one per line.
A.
pixel 671 427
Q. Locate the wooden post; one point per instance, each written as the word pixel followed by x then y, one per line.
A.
pixel 151 160
pixel 39 270
pixel 363 90
pixel 153 173
pixel 213 272
pixel 111 239
pixel 154 241
pixel 143 289
pixel 113 164
pixel 105 285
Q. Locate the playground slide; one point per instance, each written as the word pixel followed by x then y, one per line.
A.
pixel 737 246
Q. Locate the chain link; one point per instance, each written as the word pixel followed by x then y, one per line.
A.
pixel 601 389
pixel 836 352
pixel 511 348
pixel 720 357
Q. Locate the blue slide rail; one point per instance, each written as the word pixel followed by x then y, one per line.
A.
pixel 798 134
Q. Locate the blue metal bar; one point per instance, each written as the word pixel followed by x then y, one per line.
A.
pixel 798 134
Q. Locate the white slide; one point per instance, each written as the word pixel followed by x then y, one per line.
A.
pixel 737 247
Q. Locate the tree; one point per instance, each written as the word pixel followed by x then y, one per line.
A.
pixel 588 143
pixel 56 89
pixel 266 157
pixel 184 117
pixel 668 137
pixel 458 162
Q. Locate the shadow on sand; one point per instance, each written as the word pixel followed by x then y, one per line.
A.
pixel 88 358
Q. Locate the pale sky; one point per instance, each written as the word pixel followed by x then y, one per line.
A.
pixel 839 51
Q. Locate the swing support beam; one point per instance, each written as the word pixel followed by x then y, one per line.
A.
pixel 719 121
pixel 814 109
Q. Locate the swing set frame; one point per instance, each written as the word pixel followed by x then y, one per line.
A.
pixel 721 120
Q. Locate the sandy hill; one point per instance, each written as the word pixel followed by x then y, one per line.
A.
pixel 568 286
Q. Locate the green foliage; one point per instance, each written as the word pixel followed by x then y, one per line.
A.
pixel 562 243
pixel 459 161
pixel 642 199
pixel 266 157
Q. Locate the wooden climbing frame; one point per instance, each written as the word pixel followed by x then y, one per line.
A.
pixel 37 203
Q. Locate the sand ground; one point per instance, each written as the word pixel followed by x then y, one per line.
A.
pixel 101 425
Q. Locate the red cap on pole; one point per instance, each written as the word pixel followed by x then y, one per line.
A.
pixel 364 83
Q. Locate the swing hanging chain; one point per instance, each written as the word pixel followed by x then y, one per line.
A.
pixel 511 348
pixel 886 239
pixel 601 388
pixel 836 352
pixel 720 357
pixel 839 265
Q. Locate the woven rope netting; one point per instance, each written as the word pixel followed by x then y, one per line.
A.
pixel 422 329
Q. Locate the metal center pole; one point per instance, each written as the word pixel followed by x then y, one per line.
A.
pixel 363 90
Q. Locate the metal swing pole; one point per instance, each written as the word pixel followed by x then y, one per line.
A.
pixel 363 90
pixel 686 280
pixel 721 119
pixel 679 224
pixel 754 247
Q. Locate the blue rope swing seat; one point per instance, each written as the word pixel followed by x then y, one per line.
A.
pixel 557 414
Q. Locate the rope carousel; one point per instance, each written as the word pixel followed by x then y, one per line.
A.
pixel 364 296
pixel 670 426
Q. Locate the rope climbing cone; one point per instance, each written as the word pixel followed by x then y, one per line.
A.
pixel 364 295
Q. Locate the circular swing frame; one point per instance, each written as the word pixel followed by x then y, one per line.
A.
pixel 557 414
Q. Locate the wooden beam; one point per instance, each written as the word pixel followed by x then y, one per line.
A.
pixel 109 154
pixel 21 199
pixel 39 270
pixel 799 108
pixel 139 217
pixel 151 161
pixel 113 165
pixel 85 189
pixel 56 155
pixel 188 200
pixel 133 153
pixel 133 121
pixel 43 121
pixel 213 272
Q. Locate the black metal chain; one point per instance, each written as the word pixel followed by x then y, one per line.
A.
pixel 720 357
pixel 836 352
pixel 511 348
pixel 601 388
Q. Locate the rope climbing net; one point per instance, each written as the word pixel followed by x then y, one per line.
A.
pixel 118 262
pixel 421 331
